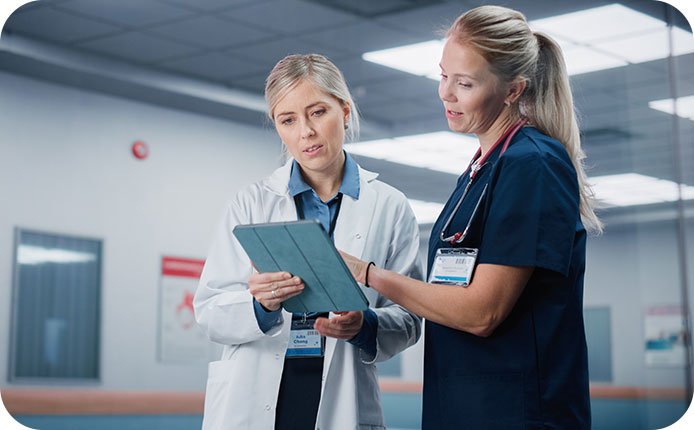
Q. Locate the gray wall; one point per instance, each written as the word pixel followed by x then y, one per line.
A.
pixel 66 167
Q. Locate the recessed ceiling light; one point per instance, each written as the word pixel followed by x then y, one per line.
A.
pixel 685 106
pixel 444 151
pixel 630 189
pixel 596 24
pixel 420 59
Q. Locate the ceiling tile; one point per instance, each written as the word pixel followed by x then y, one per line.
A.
pixel 213 66
pixel 409 87
pixel 139 47
pixel 210 5
pixel 357 71
pixel 270 52
pixel 129 13
pixel 253 82
pixel 428 22
pixel 361 37
pixel 291 16
pixel 393 113
pixel 49 24
pixel 210 32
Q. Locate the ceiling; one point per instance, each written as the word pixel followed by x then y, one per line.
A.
pixel 212 57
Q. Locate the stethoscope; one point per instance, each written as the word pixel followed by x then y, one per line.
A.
pixel 475 167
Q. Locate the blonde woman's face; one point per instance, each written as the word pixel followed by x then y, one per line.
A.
pixel 311 124
pixel 472 95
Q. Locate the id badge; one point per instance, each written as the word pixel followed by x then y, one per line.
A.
pixel 304 340
pixel 453 266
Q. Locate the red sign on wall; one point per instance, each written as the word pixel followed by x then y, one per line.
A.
pixel 186 267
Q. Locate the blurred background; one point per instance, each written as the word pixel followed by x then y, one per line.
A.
pixel 126 125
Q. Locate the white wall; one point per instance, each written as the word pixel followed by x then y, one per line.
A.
pixel 66 167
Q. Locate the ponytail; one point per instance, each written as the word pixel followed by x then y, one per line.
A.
pixel 548 103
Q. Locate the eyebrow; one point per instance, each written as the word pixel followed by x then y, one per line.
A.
pixel 307 107
pixel 464 75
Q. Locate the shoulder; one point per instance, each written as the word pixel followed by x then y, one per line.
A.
pixel 250 197
pixel 532 150
pixel 389 196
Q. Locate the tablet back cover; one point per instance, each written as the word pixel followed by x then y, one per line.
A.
pixel 303 249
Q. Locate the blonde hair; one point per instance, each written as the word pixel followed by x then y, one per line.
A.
pixel 318 70
pixel 502 36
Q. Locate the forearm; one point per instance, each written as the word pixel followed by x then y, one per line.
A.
pixel 477 309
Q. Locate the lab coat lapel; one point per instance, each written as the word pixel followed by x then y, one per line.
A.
pixel 351 232
pixel 355 217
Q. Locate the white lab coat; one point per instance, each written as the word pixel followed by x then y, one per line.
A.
pixel 242 387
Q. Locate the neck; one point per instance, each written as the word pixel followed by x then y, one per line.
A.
pixel 326 182
pixel 502 123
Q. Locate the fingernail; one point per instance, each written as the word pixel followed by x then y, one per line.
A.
pixel 287 275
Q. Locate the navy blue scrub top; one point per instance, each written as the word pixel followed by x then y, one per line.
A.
pixel 532 372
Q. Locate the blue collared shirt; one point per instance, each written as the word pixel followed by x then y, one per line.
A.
pixel 314 208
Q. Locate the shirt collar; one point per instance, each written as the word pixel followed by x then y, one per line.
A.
pixel 350 180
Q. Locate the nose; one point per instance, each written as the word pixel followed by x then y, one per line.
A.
pixel 307 129
pixel 445 93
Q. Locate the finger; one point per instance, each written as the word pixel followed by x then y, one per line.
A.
pixel 285 293
pixel 344 318
pixel 326 328
pixel 291 282
pixel 270 277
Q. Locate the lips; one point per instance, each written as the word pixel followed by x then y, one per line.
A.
pixel 451 114
pixel 313 149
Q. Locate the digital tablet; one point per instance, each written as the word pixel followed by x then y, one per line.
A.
pixel 303 249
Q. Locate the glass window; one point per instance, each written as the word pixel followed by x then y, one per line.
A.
pixel 55 308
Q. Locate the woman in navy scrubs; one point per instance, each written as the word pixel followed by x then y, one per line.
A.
pixel 507 351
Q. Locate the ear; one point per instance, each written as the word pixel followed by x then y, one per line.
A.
pixel 346 109
pixel 515 89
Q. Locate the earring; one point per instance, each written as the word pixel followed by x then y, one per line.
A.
pixel 507 103
pixel 346 126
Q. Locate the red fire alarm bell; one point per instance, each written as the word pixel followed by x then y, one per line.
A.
pixel 140 150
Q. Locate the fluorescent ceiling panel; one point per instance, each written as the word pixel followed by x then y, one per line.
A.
pixel 593 39
pixel 630 189
pixel 685 106
pixel 443 150
pixel 425 212
pixel 600 23
pixel 581 59
pixel 417 58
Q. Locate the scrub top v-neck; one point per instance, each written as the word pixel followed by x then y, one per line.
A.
pixel 532 371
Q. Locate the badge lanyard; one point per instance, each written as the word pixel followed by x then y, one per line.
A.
pixel 474 167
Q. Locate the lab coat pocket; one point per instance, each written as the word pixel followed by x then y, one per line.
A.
pixel 487 401
pixel 220 393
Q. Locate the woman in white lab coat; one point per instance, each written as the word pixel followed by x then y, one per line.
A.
pixel 253 386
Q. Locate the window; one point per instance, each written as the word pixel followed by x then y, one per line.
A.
pixel 55 307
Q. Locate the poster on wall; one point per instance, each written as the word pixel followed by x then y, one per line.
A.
pixel 180 338
pixel 664 330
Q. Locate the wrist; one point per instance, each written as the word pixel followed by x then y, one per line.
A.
pixel 369 268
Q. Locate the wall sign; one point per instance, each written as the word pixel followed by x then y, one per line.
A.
pixel 180 338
